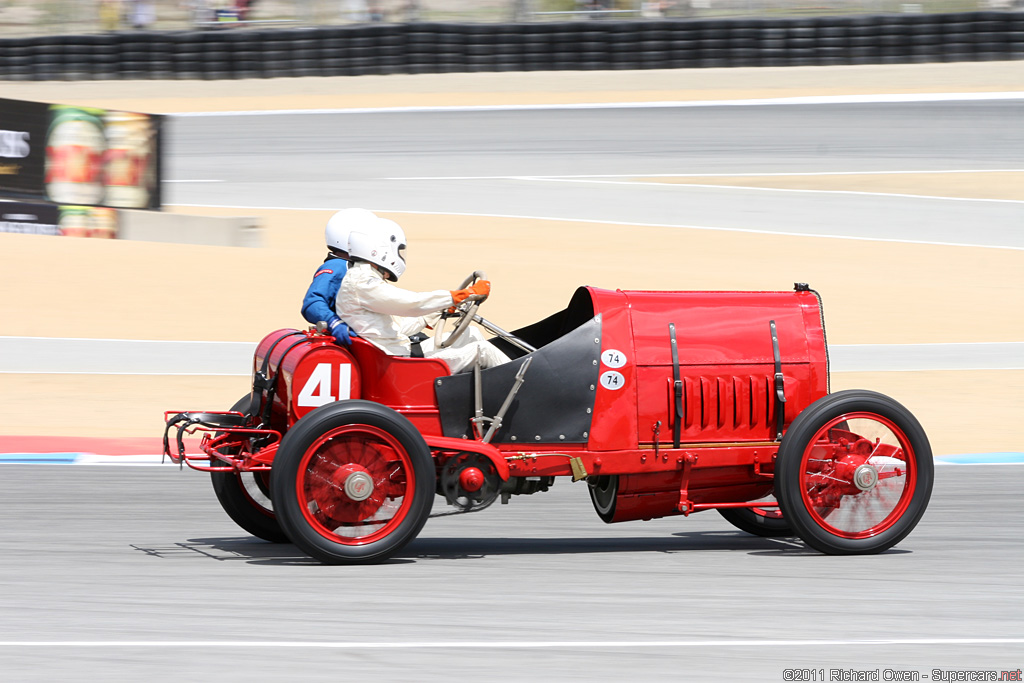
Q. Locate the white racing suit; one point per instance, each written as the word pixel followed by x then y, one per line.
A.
pixel 387 316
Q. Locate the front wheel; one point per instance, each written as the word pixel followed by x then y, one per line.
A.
pixel 854 473
pixel 353 482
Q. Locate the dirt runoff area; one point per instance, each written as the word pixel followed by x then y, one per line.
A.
pixel 874 292
pixel 526 88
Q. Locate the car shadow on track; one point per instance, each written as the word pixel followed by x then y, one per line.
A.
pixel 254 550
pixel 245 548
pixel 468 548
pixel 682 542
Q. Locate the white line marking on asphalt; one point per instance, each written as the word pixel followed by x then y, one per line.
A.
pixel 946 463
pixel 67 356
pixel 80 356
pixel 711 175
pixel 764 189
pixel 193 181
pixel 247 374
pixel 144 374
pixel 979 369
pixel 132 341
pixel 606 222
pixel 604 179
pixel 927 344
pixel 505 644
pixel 959 356
pixel 889 98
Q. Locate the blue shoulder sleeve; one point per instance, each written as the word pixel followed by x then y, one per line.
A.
pixel 319 301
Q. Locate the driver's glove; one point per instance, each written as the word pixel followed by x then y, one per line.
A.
pixel 340 331
pixel 478 288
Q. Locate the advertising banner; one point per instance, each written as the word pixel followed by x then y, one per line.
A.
pixel 79 155
pixel 49 219
pixel 29 219
pixel 88 221
pixel 23 128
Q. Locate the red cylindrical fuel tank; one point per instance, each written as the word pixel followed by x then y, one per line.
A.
pixel 305 371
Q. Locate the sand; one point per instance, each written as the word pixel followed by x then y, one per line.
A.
pixel 874 292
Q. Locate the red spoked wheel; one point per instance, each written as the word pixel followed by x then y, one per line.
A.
pixel 854 473
pixel 245 496
pixel 353 482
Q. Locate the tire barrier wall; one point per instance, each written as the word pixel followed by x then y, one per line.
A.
pixel 586 45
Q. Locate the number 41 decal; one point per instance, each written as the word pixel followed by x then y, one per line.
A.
pixel 317 391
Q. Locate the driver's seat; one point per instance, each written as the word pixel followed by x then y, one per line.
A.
pixel 397 381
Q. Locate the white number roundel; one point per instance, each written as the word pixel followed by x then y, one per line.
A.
pixel 613 380
pixel 614 358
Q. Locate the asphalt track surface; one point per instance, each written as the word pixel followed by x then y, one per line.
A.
pixel 134 573
pixel 125 573
pixel 528 163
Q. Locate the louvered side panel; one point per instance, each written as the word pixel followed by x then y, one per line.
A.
pixel 731 406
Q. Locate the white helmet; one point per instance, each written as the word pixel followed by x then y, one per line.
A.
pixel 343 224
pixel 381 243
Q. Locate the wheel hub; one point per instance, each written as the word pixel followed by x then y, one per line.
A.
pixel 469 482
pixel 865 477
pixel 471 479
pixel 355 481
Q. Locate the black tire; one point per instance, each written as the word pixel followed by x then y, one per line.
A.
pixel 765 522
pixel 604 491
pixel 337 453
pixel 246 498
pixel 840 507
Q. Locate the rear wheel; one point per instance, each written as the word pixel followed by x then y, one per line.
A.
pixel 854 473
pixel 353 482
pixel 245 496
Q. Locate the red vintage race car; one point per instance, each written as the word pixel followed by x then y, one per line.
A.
pixel 665 403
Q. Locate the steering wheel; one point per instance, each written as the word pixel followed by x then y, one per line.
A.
pixel 464 313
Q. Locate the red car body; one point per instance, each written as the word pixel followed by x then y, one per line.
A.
pixel 665 402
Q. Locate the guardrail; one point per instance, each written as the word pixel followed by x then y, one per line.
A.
pixel 583 45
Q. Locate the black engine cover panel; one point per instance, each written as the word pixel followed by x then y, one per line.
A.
pixel 555 403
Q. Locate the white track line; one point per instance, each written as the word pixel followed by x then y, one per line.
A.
pixel 763 189
pixel 142 341
pixel 738 174
pixel 605 222
pixel 214 643
pixel 624 179
pixel 53 355
pixel 890 98
pixel 48 355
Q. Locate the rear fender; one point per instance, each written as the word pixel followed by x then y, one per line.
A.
pixel 466 446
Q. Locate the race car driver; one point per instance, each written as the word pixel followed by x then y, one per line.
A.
pixel 318 304
pixel 390 317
